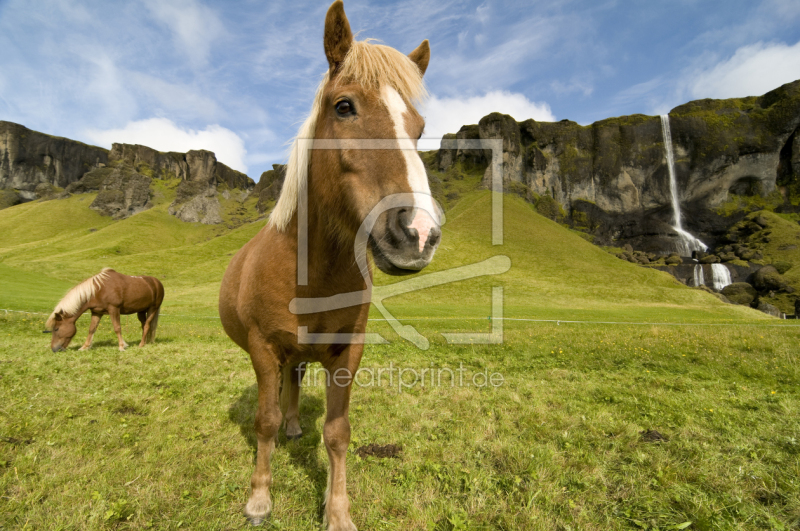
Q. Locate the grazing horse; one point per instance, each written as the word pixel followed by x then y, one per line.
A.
pixel 355 161
pixel 112 293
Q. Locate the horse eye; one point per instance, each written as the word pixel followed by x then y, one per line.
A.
pixel 344 107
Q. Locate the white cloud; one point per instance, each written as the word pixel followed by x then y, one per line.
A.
pixel 163 135
pixel 447 115
pixel 752 71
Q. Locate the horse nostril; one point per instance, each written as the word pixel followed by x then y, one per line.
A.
pixel 433 237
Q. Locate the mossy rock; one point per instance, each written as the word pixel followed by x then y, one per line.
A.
pixel 92 181
pixel 769 279
pixel 740 293
pixel 782 266
pixel 768 309
pixel 9 198
pixel 549 208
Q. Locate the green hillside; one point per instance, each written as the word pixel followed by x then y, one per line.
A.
pixel 555 274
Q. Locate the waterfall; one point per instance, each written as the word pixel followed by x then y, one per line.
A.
pixel 721 276
pixel 687 242
pixel 699 279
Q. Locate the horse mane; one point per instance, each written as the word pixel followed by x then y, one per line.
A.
pixel 77 296
pixel 370 65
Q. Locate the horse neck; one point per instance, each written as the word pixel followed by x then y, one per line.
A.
pixel 331 253
pixel 76 315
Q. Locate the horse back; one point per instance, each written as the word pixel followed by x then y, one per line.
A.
pixel 131 294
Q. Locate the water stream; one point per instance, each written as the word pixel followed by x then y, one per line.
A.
pixel 686 241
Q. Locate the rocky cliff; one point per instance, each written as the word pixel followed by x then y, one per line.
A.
pixel 201 176
pixel 33 164
pixel 29 159
pixel 611 177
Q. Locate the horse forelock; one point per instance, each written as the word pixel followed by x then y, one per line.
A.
pixel 370 65
pixel 78 296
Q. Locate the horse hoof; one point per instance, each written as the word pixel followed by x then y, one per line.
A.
pixel 294 436
pixel 257 509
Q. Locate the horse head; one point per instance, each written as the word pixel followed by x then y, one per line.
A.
pixel 63 330
pixel 364 164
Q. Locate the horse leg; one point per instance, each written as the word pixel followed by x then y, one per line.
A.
pixel 146 318
pixel 92 327
pixel 290 399
pixel 268 422
pixel 113 313
pixel 336 433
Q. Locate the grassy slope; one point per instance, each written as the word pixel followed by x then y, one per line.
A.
pixel 554 274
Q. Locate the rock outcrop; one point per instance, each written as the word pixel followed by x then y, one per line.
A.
pixel 269 186
pixel 195 165
pixel 29 158
pixel 201 175
pixel 612 179
pixel 123 192
pixel 34 165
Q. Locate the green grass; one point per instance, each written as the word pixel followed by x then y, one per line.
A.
pixel 162 437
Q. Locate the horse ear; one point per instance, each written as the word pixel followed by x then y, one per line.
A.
pixel 421 56
pixel 338 36
pixel 59 316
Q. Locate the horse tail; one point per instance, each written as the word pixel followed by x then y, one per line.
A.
pixel 151 333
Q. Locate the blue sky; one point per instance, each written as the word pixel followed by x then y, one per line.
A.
pixel 238 76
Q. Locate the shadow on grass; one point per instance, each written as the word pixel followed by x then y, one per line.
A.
pixel 303 451
pixel 113 343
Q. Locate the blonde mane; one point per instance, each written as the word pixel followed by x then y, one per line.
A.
pixel 370 65
pixel 78 296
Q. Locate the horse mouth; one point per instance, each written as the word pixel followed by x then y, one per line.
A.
pixel 394 263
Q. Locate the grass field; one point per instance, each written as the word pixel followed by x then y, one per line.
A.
pixel 688 421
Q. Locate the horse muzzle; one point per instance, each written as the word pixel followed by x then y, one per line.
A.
pixel 406 241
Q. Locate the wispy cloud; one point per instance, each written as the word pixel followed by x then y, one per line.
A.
pixel 751 71
pixel 194 26
pixel 572 86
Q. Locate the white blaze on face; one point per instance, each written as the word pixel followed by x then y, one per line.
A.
pixel 425 213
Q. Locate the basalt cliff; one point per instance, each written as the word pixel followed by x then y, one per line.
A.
pixel 611 178
pixel 35 165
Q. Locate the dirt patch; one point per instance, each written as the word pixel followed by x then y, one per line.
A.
pixel 653 436
pixel 380 451
pixel 14 441
pixel 129 409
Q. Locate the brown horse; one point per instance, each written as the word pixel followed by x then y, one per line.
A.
pixel 365 185
pixel 112 293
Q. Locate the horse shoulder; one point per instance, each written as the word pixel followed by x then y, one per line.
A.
pixel 259 283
